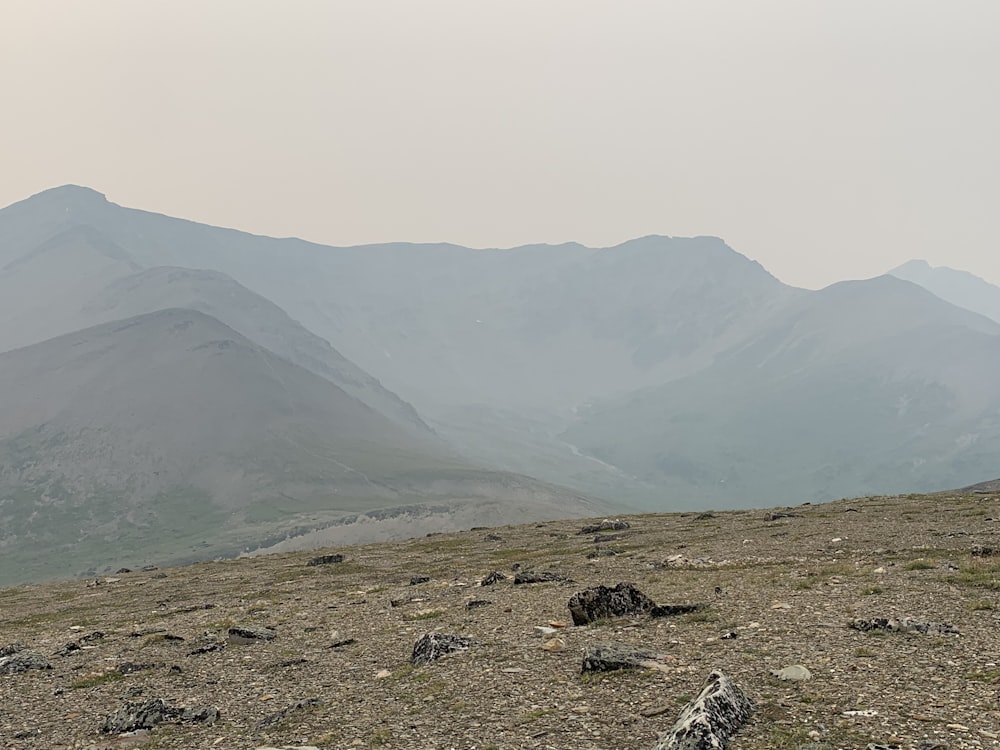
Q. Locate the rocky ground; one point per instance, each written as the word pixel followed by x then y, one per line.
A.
pixel 319 655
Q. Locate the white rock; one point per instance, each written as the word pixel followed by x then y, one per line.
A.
pixel 795 673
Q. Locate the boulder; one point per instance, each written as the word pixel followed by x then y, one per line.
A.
pixel 435 645
pixel 132 716
pixel 135 715
pixel 22 661
pixel 602 602
pixel 711 719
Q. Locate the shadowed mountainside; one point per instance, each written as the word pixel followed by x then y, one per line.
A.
pixel 171 436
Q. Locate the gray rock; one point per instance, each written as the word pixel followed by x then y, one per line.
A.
pixel 135 715
pixel 279 715
pixel 711 719
pixel 529 576
pixel 606 525
pixel 248 634
pixel 326 560
pixel 435 645
pixel 610 657
pixel 672 610
pixel 131 667
pixel 903 625
pixel 495 577
pixel 794 673
pixel 22 661
pixel 602 602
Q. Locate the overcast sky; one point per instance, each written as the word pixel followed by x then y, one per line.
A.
pixel 827 140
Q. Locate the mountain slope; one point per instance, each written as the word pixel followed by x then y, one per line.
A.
pixel 169 435
pixel 958 287
pixel 251 315
pixel 864 387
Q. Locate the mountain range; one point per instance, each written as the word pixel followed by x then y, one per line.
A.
pixel 174 390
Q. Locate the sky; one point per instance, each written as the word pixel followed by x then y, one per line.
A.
pixel 826 140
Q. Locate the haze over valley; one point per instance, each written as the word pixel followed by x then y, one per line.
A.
pixel 177 391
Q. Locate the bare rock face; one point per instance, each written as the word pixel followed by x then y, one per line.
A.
pixel 711 719
pixel 602 602
pixel 904 625
pixel 435 645
pixel 22 661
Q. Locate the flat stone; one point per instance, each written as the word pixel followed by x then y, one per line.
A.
pixel 247 633
pixel 326 560
pixel 607 524
pixel 794 673
pixel 903 625
pixel 611 657
pixel 529 576
pixel 711 719
pixel 289 709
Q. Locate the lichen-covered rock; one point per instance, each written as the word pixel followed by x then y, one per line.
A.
pixel 135 715
pixel 711 719
pixel 22 661
pixel 602 602
pixel 611 657
pixel 435 645
pixel 903 625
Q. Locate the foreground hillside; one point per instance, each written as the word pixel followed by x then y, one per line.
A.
pixel 779 588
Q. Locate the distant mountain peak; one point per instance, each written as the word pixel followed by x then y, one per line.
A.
pixel 958 287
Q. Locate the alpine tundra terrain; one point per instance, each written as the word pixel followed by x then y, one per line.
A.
pixel 867 623
pixel 174 391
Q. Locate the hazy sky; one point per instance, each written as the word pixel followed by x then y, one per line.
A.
pixel 826 139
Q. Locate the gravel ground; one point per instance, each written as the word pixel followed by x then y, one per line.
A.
pixel 781 587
